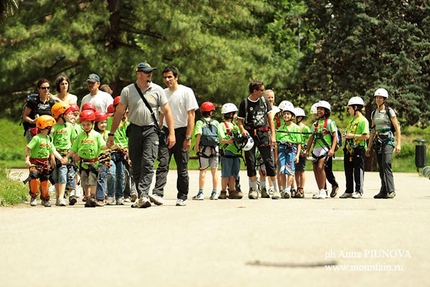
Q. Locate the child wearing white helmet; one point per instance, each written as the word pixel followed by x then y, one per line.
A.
pixel 356 134
pixel 231 152
pixel 384 125
pixel 300 175
pixel 324 141
pixel 289 139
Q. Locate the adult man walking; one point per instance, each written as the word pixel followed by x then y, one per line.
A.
pixel 143 131
pixel 256 120
pixel 101 100
pixel 183 104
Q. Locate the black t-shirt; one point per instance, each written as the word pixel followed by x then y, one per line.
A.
pixel 254 113
pixel 38 107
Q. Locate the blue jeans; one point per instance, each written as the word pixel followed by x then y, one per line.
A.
pixel 105 180
pixel 117 176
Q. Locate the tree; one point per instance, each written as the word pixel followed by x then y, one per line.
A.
pixel 218 46
pixel 7 8
pixel 363 45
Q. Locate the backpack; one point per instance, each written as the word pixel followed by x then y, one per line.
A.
pixel 387 109
pixel 325 132
pixel 209 134
pixel 24 124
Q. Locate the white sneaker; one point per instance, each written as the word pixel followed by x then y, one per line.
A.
pixel 199 196
pixel 276 195
pixel 356 195
pixel 321 195
pixel 33 201
pixel 142 203
pixel 119 201
pixel 213 196
pixel 110 200
pixel 181 202
pixel 62 202
pixel 156 199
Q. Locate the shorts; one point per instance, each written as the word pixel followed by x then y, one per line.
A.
pixel 301 165
pixel 318 153
pixel 88 178
pixel 59 174
pixel 230 166
pixel 286 159
pixel 209 158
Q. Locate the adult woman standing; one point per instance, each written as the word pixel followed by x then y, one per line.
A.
pixel 383 142
pixel 37 106
pixel 62 84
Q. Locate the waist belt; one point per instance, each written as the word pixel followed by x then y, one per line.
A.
pixel 89 161
pixel 40 161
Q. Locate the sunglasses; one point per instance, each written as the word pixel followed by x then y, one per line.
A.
pixel 45 88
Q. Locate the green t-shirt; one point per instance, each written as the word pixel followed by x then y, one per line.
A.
pixel 41 146
pixel 358 126
pixel 289 134
pixel 228 134
pixel 63 136
pixel 88 146
pixel 200 124
pixel 326 134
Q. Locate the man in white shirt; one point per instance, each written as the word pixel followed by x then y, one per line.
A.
pixel 101 100
pixel 183 104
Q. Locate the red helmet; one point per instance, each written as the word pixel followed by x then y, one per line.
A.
pixel 111 109
pixel 73 108
pixel 116 100
pixel 100 116
pixel 87 115
pixel 89 106
pixel 207 107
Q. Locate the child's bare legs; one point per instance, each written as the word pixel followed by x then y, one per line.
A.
pixel 60 189
pixel 282 180
pixel 202 179
pixel 320 178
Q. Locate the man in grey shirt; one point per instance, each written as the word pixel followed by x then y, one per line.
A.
pixel 143 131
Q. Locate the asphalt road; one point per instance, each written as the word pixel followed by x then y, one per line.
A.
pixel 264 242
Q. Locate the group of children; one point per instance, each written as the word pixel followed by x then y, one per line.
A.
pixel 75 138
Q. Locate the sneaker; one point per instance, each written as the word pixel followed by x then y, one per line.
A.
pixel 213 196
pixel 119 201
pixel 346 195
pixel 264 193
pixel 62 202
pixel 380 195
pixel 127 199
pixel 233 194
pixel 320 195
pixel 199 196
pixel 299 193
pixel 46 203
pixel 100 203
pixel 293 192
pixel 57 202
pixel 356 195
pixel 110 200
pixel 271 190
pixel 334 191
pixel 181 202
pixel 222 195
pixel 72 200
pixel 253 194
pixel 33 201
pixel 285 195
pixel 142 202
pixel 391 195
pixel 133 197
pixel 276 195
pixel 90 202
pixel 156 199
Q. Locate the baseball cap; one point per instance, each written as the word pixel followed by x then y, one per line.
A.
pixel 145 67
pixel 93 78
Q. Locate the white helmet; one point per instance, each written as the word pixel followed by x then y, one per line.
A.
pixel 248 144
pixel 324 104
pixel 275 110
pixel 381 93
pixel 228 108
pixel 355 101
pixel 299 112
pixel 286 106
pixel 314 109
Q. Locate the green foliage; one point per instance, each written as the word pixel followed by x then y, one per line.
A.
pixel 363 45
pixel 12 192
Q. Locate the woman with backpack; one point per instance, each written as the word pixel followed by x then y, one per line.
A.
pixel 384 125
pixel 37 105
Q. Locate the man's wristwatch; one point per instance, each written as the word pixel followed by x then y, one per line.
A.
pixel 187 138
pixel 111 134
